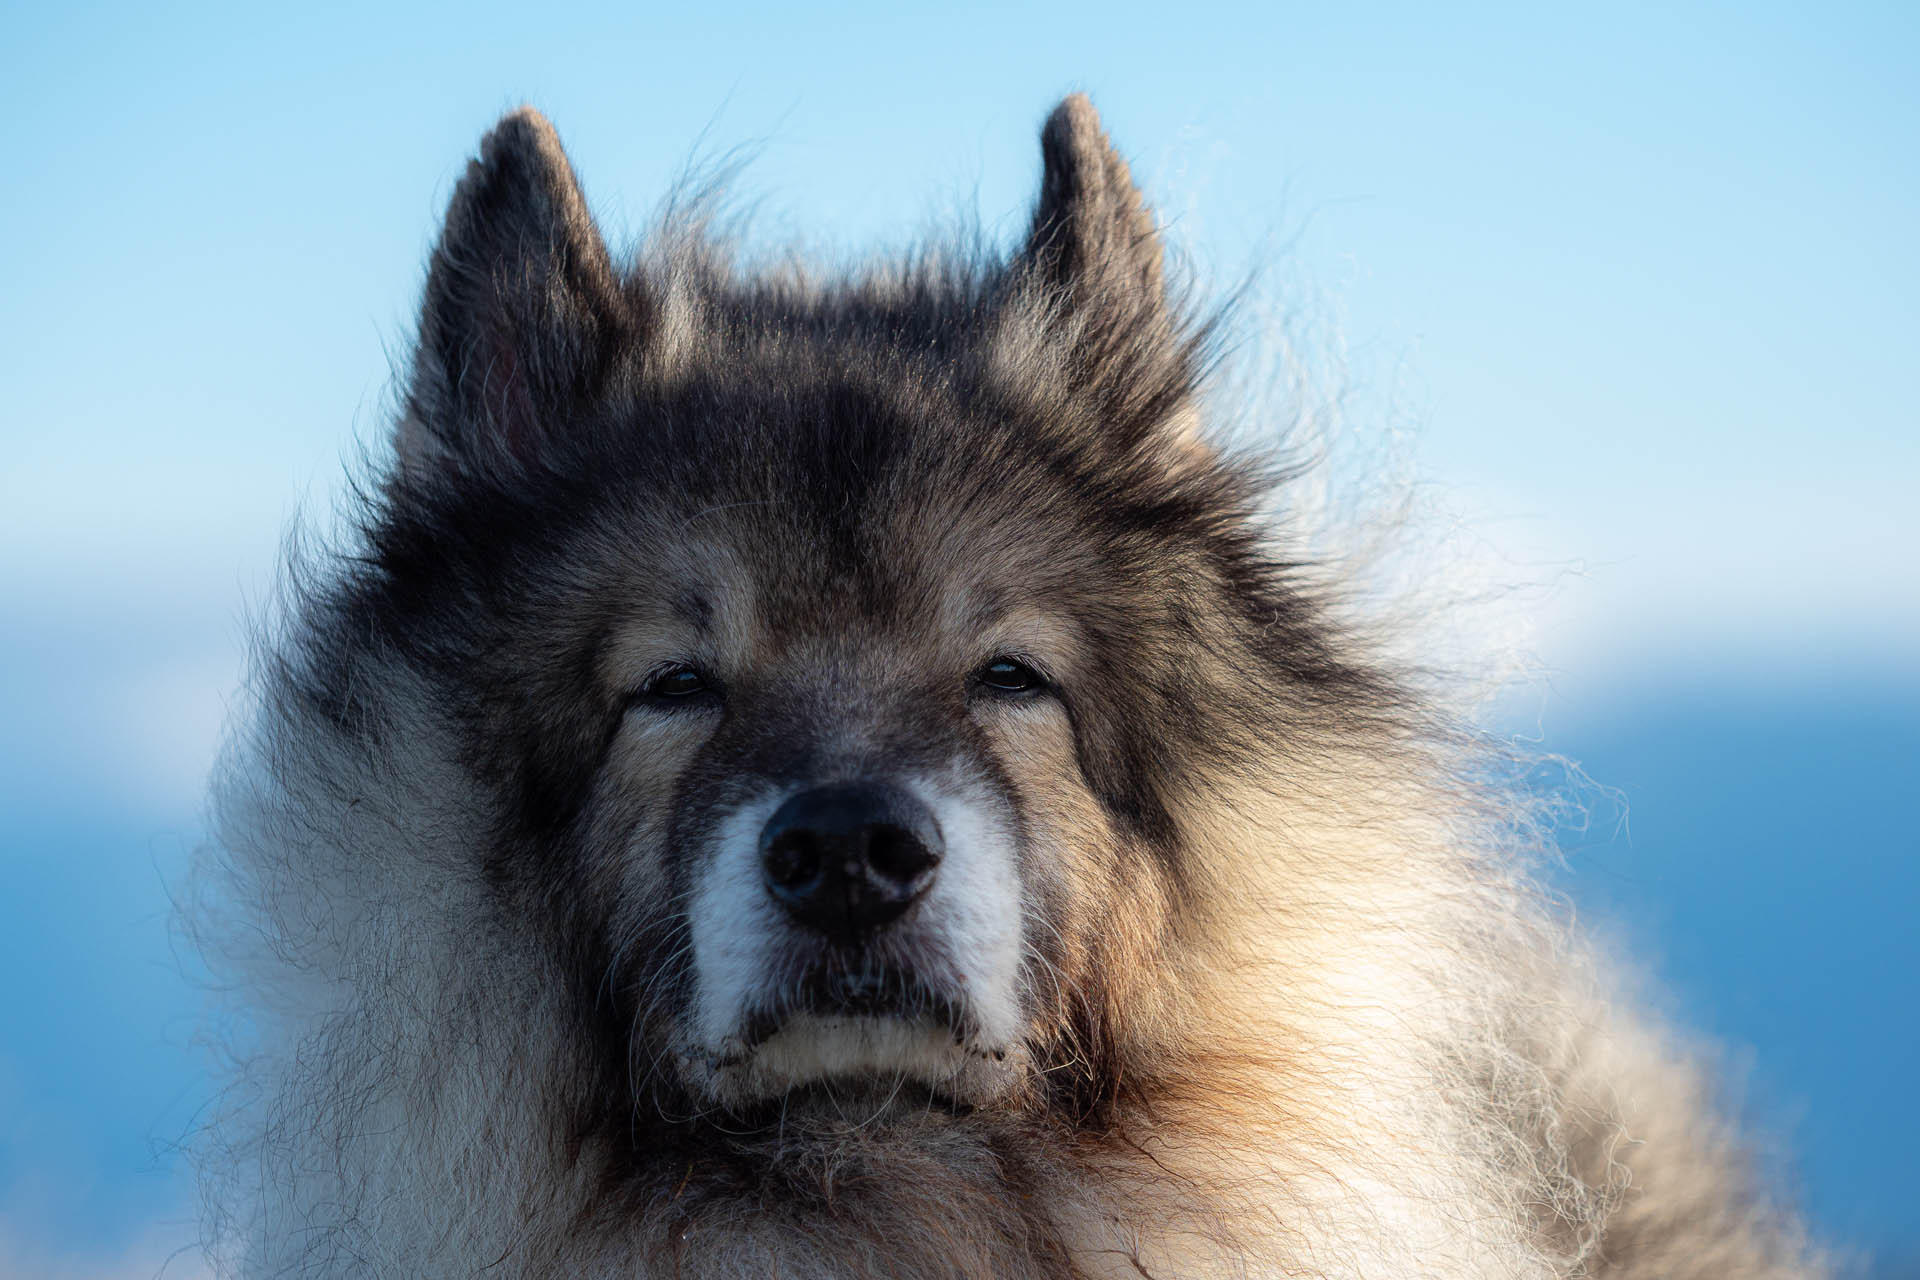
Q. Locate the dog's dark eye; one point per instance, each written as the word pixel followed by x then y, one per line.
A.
pixel 673 683
pixel 1009 675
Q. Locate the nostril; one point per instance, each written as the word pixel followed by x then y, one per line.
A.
pixel 793 858
pixel 895 854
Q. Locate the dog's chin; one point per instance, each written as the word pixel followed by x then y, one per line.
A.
pixel 859 1066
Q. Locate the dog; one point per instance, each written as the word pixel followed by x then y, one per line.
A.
pixel 837 775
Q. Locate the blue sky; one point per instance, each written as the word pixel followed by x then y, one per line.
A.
pixel 1635 289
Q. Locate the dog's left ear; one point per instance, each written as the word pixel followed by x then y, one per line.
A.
pixel 1093 236
pixel 1093 264
pixel 523 315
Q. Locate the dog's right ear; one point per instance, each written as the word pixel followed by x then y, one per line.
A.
pixel 523 315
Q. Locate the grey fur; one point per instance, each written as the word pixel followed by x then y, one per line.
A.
pixel 1290 1005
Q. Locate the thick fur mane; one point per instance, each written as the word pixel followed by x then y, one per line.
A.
pixel 1322 1025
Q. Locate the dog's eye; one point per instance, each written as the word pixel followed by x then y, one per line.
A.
pixel 1009 675
pixel 673 683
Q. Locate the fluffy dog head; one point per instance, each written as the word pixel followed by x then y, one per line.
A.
pixel 837 660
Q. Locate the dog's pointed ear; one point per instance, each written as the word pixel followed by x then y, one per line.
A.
pixel 523 315
pixel 1092 275
pixel 1093 239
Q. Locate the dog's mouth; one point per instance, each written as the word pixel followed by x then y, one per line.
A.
pixel 863 1036
pixel 833 1104
pixel 836 997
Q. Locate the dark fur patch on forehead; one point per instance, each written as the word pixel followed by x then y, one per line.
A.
pixel 694 608
pixel 832 476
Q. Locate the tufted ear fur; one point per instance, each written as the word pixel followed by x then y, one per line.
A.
pixel 1093 236
pixel 1093 261
pixel 523 313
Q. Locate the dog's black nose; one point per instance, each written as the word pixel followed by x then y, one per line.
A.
pixel 849 859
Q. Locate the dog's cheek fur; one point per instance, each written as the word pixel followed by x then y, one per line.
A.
pixel 626 882
pixel 1098 897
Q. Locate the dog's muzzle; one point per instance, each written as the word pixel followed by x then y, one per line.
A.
pixel 850 936
pixel 848 860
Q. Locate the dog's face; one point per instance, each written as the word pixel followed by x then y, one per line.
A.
pixel 849 775
pixel 846 757
pixel 839 658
